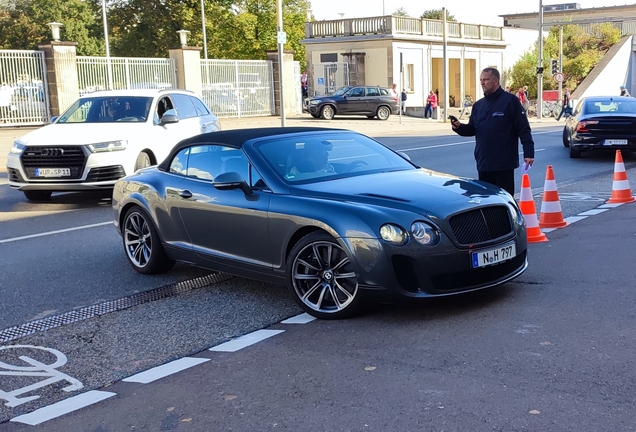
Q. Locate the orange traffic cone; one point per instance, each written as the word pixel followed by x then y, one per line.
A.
pixel 551 213
pixel 526 203
pixel 621 192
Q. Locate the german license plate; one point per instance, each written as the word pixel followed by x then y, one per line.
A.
pixel 52 172
pixel 493 256
pixel 615 142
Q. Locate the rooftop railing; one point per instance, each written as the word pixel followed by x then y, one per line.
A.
pixel 396 25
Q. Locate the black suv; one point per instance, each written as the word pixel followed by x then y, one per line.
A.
pixel 371 101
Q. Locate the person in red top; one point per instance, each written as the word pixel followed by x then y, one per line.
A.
pixel 431 102
pixel 523 98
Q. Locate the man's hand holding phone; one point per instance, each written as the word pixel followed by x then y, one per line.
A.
pixel 454 122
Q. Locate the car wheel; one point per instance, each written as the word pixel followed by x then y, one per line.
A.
pixel 327 112
pixel 143 161
pixel 566 138
pixel 383 112
pixel 37 195
pixel 142 244
pixel 321 278
pixel 574 153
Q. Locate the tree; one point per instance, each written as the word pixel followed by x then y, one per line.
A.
pixel 582 51
pixel 401 12
pixel 23 24
pixel 437 14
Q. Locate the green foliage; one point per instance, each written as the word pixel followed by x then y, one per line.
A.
pixel 401 12
pixel 23 24
pixel 437 14
pixel 235 29
pixel 582 51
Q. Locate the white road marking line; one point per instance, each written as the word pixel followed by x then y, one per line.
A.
pixel 573 219
pixel 548 230
pixel 9 240
pixel 164 370
pixel 609 206
pixel 245 341
pixel 592 212
pixel 303 318
pixel 63 407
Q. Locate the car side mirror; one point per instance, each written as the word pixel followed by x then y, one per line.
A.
pixel 169 116
pixel 231 180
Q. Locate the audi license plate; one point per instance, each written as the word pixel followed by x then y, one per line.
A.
pixel 493 256
pixel 615 142
pixel 52 172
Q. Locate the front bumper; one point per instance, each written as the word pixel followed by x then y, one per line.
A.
pixel 390 272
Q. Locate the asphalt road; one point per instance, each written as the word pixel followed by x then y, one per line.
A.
pixel 479 362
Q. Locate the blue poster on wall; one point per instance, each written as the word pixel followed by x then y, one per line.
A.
pixel 321 81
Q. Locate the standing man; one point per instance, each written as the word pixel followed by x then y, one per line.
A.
pixel 403 104
pixel 497 122
pixel 394 91
pixel 565 103
pixel 624 92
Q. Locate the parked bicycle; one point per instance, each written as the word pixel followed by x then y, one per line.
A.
pixel 467 102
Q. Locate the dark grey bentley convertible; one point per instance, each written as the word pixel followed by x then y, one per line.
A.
pixel 333 214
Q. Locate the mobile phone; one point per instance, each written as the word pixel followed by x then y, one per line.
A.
pixel 452 118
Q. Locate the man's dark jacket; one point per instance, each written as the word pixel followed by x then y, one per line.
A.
pixel 497 122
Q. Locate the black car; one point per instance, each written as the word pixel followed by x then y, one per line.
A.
pixel 332 214
pixel 371 101
pixel 601 122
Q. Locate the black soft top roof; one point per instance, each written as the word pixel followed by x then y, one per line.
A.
pixel 236 138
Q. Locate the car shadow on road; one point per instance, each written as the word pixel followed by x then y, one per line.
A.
pixel 14 201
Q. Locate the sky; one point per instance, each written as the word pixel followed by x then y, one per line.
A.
pixel 466 11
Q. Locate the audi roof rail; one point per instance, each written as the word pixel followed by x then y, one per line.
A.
pixel 173 89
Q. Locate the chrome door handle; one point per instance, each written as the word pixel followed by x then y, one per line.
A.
pixel 185 193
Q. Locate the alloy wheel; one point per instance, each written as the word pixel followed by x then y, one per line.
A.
pixel 138 239
pixel 383 113
pixel 323 277
pixel 327 112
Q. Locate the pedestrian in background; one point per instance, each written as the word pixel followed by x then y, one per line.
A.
pixel 394 91
pixel 497 122
pixel 624 91
pixel 565 103
pixel 431 104
pixel 522 95
pixel 403 104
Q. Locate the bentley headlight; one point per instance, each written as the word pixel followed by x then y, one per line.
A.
pixel 314 102
pixel 425 234
pixel 108 146
pixel 393 234
pixel 17 148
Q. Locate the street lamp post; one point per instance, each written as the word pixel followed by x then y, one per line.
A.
pixel 540 66
pixel 109 66
pixel 205 39
pixel 281 45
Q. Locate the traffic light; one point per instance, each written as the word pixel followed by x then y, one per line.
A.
pixel 554 63
pixel 539 70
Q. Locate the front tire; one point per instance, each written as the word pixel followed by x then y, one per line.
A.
pixel 142 244
pixel 143 161
pixel 383 113
pixel 327 112
pixel 37 195
pixel 321 278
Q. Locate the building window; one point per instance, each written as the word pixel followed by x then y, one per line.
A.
pixel 409 78
pixel 328 58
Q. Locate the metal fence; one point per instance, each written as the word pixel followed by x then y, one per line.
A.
pixel 238 88
pixel 117 73
pixel 328 77
pixel 23 99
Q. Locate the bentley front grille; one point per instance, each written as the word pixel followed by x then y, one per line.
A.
pixel 481 225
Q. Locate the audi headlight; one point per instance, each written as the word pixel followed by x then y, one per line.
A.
pixel 393 234
pixel 108 146
pixel 314 102
pixel 425 234
pixel 17 148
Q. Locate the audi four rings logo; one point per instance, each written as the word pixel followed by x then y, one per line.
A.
pixel 52 152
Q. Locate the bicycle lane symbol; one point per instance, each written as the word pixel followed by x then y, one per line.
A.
pixel 37 369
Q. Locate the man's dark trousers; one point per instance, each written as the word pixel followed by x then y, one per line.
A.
pixel 505 179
